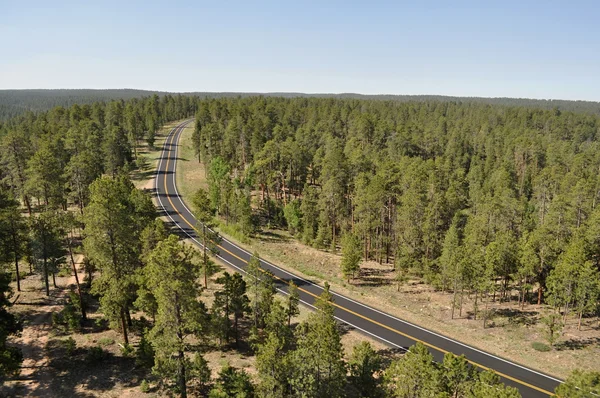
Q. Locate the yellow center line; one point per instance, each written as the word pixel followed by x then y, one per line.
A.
pixel 343 308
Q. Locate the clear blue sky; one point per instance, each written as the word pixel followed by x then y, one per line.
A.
pixel 535 49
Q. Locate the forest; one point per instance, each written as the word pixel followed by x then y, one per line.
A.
pixel 473 198
pixel 17 102
pixel 470 197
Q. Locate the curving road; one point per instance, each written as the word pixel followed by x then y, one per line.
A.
pixel 384 327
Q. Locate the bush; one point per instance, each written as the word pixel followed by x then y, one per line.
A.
pixel 64 272
pixel 69 317
pixel 536 345
pixel 106 341
pixel 95 355
pixel 126 350
pixel 70 346
pixel 144 354
pixel 145 386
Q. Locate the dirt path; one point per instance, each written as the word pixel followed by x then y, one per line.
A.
pixel 37 310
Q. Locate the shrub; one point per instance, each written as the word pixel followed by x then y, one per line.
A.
pixel 95 355
pixel 106 341
pixel 144 354
pixel 536 345
pixel 145 386
pixel 126 350
pixel 70 346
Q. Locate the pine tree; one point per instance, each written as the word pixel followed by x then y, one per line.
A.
pixel 293 300
pixel 172 273
pixel 580 384
pixel 364 365
pixel 415 374
pixel 10 356
pixel 319 369
pixel 351 256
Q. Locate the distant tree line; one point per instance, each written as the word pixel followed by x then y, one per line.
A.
pixel 474 198
pixel 17 102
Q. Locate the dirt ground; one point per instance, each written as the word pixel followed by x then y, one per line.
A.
pixel 509 334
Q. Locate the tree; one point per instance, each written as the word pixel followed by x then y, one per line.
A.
pixel 232 300
pixel 487 384
pixel 293 216
pixel 413 375
pixel 260 289
pixel 319 369
pixel 456 375
pixel 232 383
pixel 580 384
pixel 273 359
pixel 47 244
pixel 112 243
pixel 553 327
pixel 10 356
pixel 351 256
pixel 13 232
pixel 365 364
pixel 172 273
pixel 293 299
pixel 204 213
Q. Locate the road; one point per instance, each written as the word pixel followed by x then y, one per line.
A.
pixel 384 327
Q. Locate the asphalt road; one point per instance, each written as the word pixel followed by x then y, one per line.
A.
pixel 390 330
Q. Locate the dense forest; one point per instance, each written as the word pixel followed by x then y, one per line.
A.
pixel 17 102
pixel 471 197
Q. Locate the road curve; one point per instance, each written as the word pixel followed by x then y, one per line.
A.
pixel 384 327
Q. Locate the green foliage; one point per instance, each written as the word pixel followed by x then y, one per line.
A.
pixel 10 356
pixel 351 255
pixel 365 365
pixel 95 355
pixel 145 386
pixel 293 216
pixel 231 300
pixel 553 326
pixel 70 346
pixel 199 370
pixel 293 300
pixel 233 383
pixel 580 384
pixel 105 341
pixel 144 353
pixel 541 347
pixel 172 273
pixel 413 375
pixel 319 369
pixel 69 318
pixel 127 350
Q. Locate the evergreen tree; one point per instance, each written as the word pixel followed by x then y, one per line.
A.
pixel 351 256
pixel 172 273
pixel 319 369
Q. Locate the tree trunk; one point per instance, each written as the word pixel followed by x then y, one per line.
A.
pixel 124 327
pixel 205 256
pixel 181 375
pixel 17 270
pixel 46 277
pixel 81 303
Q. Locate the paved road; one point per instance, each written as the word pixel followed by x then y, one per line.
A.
pixel 391 330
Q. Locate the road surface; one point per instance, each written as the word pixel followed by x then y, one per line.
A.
pixel 384 327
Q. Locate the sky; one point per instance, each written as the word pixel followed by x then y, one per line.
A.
pixel 528 49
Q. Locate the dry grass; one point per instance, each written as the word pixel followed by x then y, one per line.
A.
pixel 511 332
